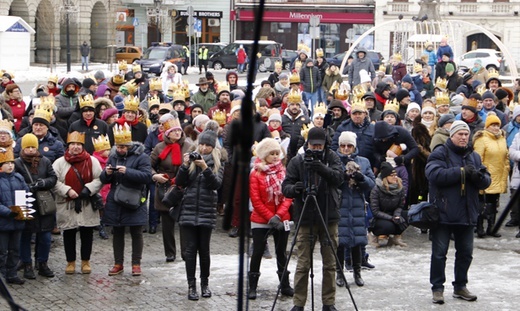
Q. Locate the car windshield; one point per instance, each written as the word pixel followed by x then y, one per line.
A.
pixel 155 54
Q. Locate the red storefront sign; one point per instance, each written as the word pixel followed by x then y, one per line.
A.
pixel 303 17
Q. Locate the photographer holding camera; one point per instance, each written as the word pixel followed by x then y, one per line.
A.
pixel 318 172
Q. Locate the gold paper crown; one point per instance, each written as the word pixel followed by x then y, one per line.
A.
pixel 131 103
pixel 472 102
pixel 358 104
pixel 186 89
pixel 154 101
pixel 278 64
pixel 341 92
pixel 441 83
pixel 165 106
pixel 481 89
pixel 6 155
pixel 122 65
pixel 101 143
pixel 382 68
pixel 294 78
pixel 223 87
pixel 298 65
pixel 295 97
pixel 417 68
pixel 171 123
pixel 76 137
pixel 320 108
pixel 54 78
pixel 172 87
pixel 219 116
pixel 136 68
pixel 319 53
pixel 178 96
pixel 156 84
pixel 442 98
pixel 6 125
pixel 397 56
pixel 43 112
pixel 131 87
pixel 359 91
pixel 118 79
pixel 392 105
pixel 86 101
pixel 48 103
pixel 305 130
pixel 122 134
pixel 492 73
pixel 334 87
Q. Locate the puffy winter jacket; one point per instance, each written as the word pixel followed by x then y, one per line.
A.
pixel 385 204
pixel 494 154
pixel 66 104
pixel 8 184
pixel 138 174
pixel 514 156
pixel 456 198
pixel 310 77
pixel 385 135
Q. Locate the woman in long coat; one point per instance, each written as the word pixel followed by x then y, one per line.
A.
pixel 166 159
pixel 78 179
pixel 352 231
pixel 127 166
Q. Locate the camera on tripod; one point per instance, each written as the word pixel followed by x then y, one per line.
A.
pixel 311 156
pixel 195 156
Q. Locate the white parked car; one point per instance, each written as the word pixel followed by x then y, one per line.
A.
pixel 490 58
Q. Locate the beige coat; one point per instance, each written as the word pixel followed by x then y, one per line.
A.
pixel 495 156
pixel 66 216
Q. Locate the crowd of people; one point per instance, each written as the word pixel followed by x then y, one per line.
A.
pixel 344 160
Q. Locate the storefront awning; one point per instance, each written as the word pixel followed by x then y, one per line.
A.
pixel 303 17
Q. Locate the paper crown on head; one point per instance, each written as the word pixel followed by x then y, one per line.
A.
pixel 76 137
pixel 6 126
pixel 172 87
pixel 481 89
pixel 320 109
pixel 6 155
pixel 298 65
pixel 171 124
pixel 359 91
pixel 294 78
pixel 319 52
pixel 86 101
pixel 358 105
pixel 101 143
pixel 156 84
pixel 471 102
pixel 136 68
pixel 492 73
pixel 295 97
pixel 44 111
pixel 154 101
pixel 382 68
pixel 441 83
pixel 178 96
pixel 219 116
pixel 417 68
pixel 392 105
pixel 186 89
pixel 54 78
pixel 118 79
pixel 131 103
pixel 442 98
pixel 223 87
pixel 165 106
pixel 278 64
pixel 122 65
pixel 397 57
pixel 122 134
pixel 130 87
pixel 48 103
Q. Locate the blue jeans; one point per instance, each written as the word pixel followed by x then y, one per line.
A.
pixel 313 98
pixel 463 236
pixel 84 62
pixel 153 214
pixel 9 252
pixel 42 248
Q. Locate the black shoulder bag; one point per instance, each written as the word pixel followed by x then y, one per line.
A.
pixel 44 198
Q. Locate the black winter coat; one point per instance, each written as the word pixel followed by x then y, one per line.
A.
pixel 138 174
pixel 328 194
pixel 392 134
pixel 365 136
pixel 293 127
pixel 97 127
pixel 46 173
pixel 385 204
pixel 310 78
pixel 199 204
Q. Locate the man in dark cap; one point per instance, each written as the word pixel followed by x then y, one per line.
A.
pixel 89 86
pixel 489 101
pixel 326 165
pixel 466 88
pixel 415 95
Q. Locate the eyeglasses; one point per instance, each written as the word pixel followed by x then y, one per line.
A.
pixel 346 146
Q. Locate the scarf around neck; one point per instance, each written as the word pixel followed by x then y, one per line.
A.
pixel 274 176
pixel 175 150
pixel 83 163
pixel 34 160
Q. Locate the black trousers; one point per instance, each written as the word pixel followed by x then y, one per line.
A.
pixel 196 240
pixel 168 232
pixel 260 235
pixel 118 244
pixel 69 242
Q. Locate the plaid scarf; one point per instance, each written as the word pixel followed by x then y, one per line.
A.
pixel 274 176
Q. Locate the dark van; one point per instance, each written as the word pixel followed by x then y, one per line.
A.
pixel 271 52
pixel 154 57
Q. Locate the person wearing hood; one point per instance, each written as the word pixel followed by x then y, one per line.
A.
pixel 101 105
pixel 139 130
pixel 370 102
pixel 232 80
pixel 493 83
pixel 382 94
pixel 386 135
pixel 361 62
pixel 331 75
pixel 398 68
pixel 310 78
pixel 415 95
pixel 391 114
pixel 479 72
pixel 339 114
pixel 355 190
pixel 89 124
pixel 442 133
pixel 170 74
pixel 67 101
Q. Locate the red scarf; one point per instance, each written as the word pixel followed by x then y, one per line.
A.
pixel 121 121
pixel 271 129
pixel 283 107
pixel 88 122
pixel 83 163
pixel 176 154
pixel 274 176
pixel 380 99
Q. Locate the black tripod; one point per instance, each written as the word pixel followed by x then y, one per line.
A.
pixel 311 203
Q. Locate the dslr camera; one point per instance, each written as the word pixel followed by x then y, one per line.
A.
pixel 195 156
pixel 310 156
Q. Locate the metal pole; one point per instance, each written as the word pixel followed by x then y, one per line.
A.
pixel 68 40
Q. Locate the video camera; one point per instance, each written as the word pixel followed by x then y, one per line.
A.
pixel 312 155
pixel 195 156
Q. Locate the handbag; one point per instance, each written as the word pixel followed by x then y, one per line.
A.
pixel 127 197
pixel 162 189
pixel 173 198
pixel 96 201
pixel 424 215
pixel 44 198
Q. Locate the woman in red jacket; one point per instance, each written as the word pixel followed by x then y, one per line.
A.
pixel 270 209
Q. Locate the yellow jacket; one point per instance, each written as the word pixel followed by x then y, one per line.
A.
pixel 495 156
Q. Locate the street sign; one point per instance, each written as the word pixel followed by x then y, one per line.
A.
pixel 314 21
pixel 197 26
pixel 190 10
pixel 199 34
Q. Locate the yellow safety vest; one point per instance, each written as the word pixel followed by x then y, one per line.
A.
pixel 203 53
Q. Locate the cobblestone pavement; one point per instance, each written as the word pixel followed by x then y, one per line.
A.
pixel 399 281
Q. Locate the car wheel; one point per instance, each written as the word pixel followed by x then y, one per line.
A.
pixel 287 66
pixel 217 65
pixel 262 68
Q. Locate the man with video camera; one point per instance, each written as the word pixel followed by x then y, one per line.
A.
pixel 316 174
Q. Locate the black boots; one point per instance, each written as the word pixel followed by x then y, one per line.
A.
pixel 28 271
pixel 102 232
pixel 192 290
pixel 480 226
pixel 357 276
pixel 253 283
pixel 44 270
pixel 204 288
pixel 285 287
pixel 491 209
pixel 340 282
pixel 356 255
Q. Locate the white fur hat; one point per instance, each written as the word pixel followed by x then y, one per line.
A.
pixel 266 146
pixel 347 138
pixel 413 105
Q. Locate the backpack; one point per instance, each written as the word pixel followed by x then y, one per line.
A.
pixel 424 215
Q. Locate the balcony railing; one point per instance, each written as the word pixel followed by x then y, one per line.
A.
pixel 354 2
pixel 463 9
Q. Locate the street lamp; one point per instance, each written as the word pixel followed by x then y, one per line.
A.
pixel 69 8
